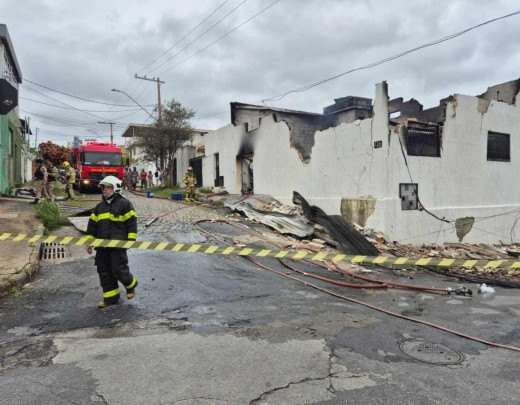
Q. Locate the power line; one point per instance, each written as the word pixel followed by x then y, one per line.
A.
pixel 200 36
pixel 97 117
pixel 185 36
pixel 74 96
pixel 143 89
pixel 70 108
pixel 227 33
pixel 57 133
pixel 390 58
pixel 58 120
pixel 67 104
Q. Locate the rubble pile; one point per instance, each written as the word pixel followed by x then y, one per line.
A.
pixel 456 251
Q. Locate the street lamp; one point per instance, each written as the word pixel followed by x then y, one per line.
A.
pixel 135 101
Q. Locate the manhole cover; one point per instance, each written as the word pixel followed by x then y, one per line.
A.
pixel 433 353
pixel 52 252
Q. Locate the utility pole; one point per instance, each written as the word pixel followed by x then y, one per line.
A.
pixel 36 139
pixel 111 129
pixel 159 82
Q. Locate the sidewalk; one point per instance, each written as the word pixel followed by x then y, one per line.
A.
pixel 19 260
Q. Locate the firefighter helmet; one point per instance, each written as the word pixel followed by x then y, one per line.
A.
pixel 112 181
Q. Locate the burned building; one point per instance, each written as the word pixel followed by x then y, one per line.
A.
pixel 388 164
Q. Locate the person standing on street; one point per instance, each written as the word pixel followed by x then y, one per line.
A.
pixel 113 218
pixel 150 179
pixel 134 176
pixel 189 183
pixel 50 178
pixel 40 177
pixel 143 177
pixel 70 178
pixel 164 182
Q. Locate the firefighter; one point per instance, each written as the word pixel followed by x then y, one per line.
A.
pixel 113 218
pixel 189 183
pixel 51 175
pixel 40 178
pixel 70 177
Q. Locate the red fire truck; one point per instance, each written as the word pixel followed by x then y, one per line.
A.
pixel 94 160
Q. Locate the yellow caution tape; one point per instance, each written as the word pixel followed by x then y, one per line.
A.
pixel 263 252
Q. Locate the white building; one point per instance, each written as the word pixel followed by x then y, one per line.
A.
pixel 388 165
pixel 138 157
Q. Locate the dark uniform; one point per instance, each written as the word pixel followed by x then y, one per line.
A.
pixel 114 218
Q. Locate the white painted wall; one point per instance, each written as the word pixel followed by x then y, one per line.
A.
pixel 344 164
pixel 226 141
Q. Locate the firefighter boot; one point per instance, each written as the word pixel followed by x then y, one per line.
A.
pixel 130 289
pixel 109 298
pixel 103 304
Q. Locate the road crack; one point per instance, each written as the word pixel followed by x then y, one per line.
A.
pixel 194 398
pixel 102 398
pixel 329 376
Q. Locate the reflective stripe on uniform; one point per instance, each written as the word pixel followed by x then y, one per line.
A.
pixel 132 284
pixel 112 217
pixel 111 293
pixel 132 235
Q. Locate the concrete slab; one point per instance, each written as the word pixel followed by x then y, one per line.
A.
pixel 19 260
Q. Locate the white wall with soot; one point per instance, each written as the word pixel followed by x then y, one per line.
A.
pixel 345 165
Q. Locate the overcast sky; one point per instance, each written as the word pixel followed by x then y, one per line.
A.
pixel 89 47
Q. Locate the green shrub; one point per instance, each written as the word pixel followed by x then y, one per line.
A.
pixel 49 213
pixel 164 191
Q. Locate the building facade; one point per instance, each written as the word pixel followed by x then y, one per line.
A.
pixel 418 175
pixel 13 141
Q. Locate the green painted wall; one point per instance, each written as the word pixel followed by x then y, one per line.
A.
pixel 5 147
pixel 11 144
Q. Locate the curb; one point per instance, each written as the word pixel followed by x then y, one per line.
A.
pixel 26 273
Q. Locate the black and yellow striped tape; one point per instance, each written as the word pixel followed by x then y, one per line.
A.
pixel 259 252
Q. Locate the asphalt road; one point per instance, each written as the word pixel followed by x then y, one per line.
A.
pixel 219 330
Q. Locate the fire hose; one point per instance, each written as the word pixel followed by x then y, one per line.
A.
pixel 380 284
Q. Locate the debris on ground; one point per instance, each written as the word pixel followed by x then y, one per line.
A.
pixel 25 192
pixel 500 276
pixel 485 289
pixel 270 212
pixel 350 240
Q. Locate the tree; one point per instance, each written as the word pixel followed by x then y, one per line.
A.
pixel 53 152
pixel 163 139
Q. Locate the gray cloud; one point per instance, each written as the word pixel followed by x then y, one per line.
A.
pixel 87 48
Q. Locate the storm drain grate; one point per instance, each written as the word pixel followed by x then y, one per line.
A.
pixel 432 353
pixel 52 252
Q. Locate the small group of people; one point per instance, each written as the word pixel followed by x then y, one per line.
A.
pixel 46 174
pixel 143 179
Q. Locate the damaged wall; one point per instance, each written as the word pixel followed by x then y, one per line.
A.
pixel 505 92
pixel 302 126
pixel 227 142
pixel 345 164
pixel 462 182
